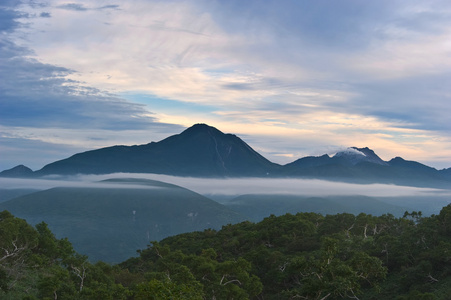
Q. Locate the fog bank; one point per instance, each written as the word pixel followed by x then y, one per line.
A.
pixel 231 186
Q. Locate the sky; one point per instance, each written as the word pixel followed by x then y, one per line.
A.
pixel 291 78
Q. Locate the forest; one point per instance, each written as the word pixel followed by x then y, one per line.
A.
pixel 293 256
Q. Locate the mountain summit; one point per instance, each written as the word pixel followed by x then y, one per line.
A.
pixel 354 155
pixel 200 150
pixel 19 171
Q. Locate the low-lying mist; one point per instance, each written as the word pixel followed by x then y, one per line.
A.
pixel 230 186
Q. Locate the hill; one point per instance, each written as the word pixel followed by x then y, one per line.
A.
pixel 258 207
pixel 310 256
pixel 301 256
pixel 112 221
pixel 19 171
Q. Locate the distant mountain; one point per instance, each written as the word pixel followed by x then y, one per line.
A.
pixel 200 150
pixel 446 173
pixel 204 151
pixel 354 155
pixel 363 165
pixel 19 171
pixel 110 222
pixel 349 157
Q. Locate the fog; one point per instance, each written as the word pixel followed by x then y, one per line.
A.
pixel 230 186
pixel 72 181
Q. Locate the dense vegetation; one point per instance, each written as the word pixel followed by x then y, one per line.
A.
pixel 302 256
pixel 111 221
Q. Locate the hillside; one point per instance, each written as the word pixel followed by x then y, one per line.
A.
pixel 258 207
pixel 310 256
pixel 301 256
pixel 111 223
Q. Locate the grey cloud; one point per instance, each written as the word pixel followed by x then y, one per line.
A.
pixel 37 94
pixel 73 6
pixel 109 7
pixel 430 20
pixel 30 152
pixel 8 18
pixel 418 102
pixel 45 15
pixel 239 86
pixel 338 25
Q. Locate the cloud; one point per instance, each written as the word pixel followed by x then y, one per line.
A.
pixel 39 95
pixel 41 108
pixel 16 149
pixel 237 186
pixel 9 16
pixel 317 73
pixel 111 6
pixel 73 6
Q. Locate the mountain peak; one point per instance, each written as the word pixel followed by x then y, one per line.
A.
pixel 200 150
pixel 17 171
pixel 201 127
pixel 355 155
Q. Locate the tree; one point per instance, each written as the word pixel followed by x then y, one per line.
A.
pixel 17 239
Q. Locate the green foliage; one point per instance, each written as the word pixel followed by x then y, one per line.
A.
pixel 110 224
pixel 302 256
pixel 167 290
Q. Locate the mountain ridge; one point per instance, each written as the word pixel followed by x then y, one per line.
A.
pixel 204 151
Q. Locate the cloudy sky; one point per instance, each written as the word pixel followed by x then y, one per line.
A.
pixel 291 78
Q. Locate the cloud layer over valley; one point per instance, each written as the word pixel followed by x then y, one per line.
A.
pixel 230 187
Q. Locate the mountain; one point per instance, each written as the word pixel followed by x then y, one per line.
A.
pixel 348 158
pixel 363 165
pixel 19 171
pixel 354 155
pixel 200 150
pixel 110 220
pixel 446 173
pixel 204 151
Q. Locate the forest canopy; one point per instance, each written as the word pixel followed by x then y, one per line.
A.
pixel 301 256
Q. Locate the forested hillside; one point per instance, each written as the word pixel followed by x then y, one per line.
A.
pixel 302 256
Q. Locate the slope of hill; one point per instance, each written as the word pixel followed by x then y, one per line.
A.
pixel 200 150
pixel 111 223
pixel 8 194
